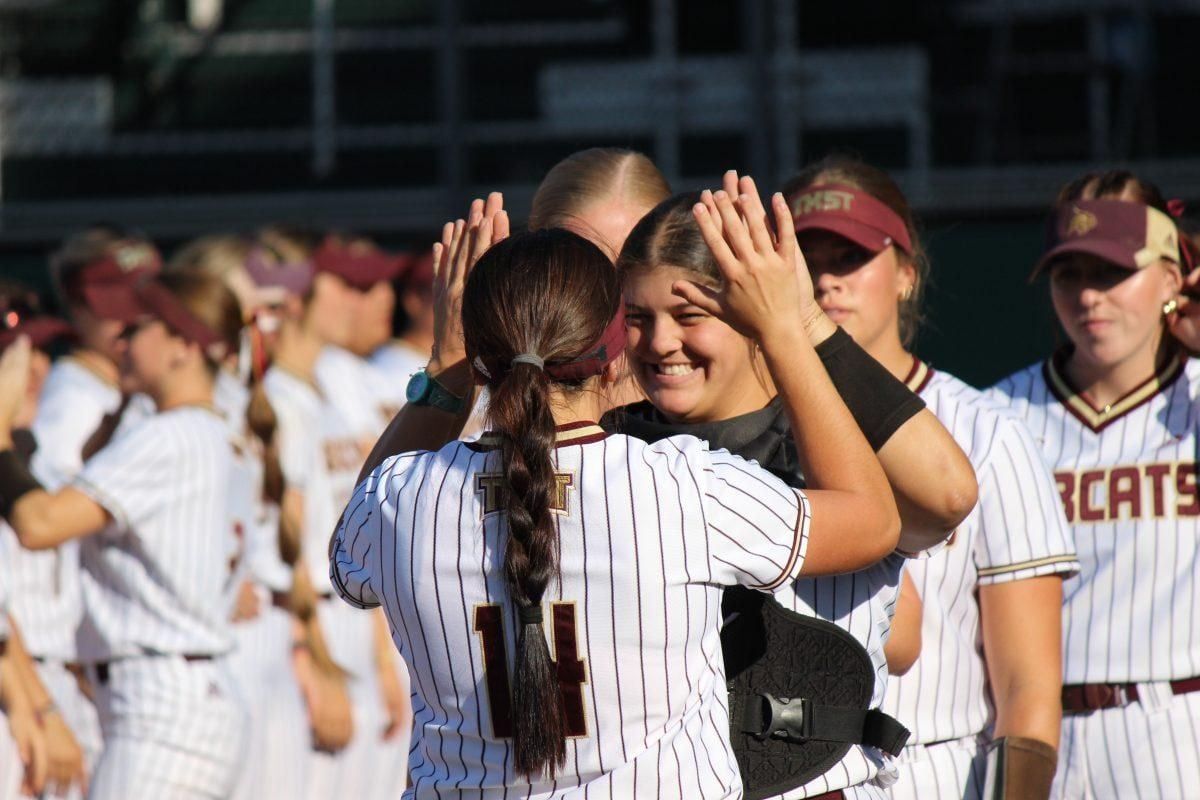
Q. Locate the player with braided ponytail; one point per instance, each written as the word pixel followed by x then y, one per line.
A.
pixel 555 590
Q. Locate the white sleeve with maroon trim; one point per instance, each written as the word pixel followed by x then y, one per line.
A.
pixel 1023 531
pixel 757 524
pixel 355 548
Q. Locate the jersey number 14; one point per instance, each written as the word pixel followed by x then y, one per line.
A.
pixel 571 669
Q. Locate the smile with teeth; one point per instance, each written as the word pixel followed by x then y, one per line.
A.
pixel 674 369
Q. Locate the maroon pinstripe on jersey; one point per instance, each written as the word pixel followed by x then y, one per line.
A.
pixel 1017 531
pixel 649 536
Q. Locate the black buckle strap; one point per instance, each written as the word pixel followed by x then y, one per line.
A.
pixel 799 719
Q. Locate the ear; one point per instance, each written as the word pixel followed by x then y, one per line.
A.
pixel 613 371
pixel 906 272
pixel 1173 279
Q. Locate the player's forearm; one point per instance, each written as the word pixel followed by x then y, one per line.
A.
pixel 43 521
pixel 933 481
pixel 832 450
pixel 1033 711
pixel 904 641
pixel 425 427
pixel 25 671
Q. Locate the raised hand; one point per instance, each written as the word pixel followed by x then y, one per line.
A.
pixel 766 282
pixel 14 380
pixel 462 244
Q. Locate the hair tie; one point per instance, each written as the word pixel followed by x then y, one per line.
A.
pixel 537 361
pixel 1176 207
pixel 530 615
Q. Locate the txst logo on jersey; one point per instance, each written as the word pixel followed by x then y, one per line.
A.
pixel 490 486
pixel 342 455
pixel 1142 491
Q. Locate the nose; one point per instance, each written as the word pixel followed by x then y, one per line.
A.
pixel 825 282
pixel 663 338
pixel 1089 296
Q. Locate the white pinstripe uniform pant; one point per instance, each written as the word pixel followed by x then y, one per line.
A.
pixel 278 739
pixel 368 768
pixel 173 730
pixel 1147 749
pixel 940 771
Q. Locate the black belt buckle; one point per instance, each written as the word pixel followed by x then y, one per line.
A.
pixel 786 718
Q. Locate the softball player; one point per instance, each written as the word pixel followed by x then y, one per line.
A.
pixel 462 546
pixel 50 637
pixel 154 554
pixel 321 451
pixel 1006 560
pixel 78 408
pixel 277 744
pixel 398 359
pixel 1114 412
pixel 700 377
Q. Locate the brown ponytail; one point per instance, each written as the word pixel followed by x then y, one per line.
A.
pixel 548 294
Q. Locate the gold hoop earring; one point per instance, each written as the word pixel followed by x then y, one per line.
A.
pixel 1169 307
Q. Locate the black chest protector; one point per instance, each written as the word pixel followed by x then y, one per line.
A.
pixel 799 686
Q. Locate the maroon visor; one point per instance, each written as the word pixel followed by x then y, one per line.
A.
pixel 360 264
pixel 853 214
pixel 107 284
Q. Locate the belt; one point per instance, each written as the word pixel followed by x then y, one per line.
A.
pixel 837 794
pixel 1079 698
pixel 192 658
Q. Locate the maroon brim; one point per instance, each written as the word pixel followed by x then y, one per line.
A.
pixel 364 271
pixel 863 235
pixel 40 330
pixel 115 301
pixel 1107 250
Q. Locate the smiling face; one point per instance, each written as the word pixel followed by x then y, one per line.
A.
pixel 858 290
pixel 1112 315
pixel 692 366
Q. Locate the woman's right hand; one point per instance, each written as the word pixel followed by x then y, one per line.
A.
pixel 14 380
pixel 462 244
pixel 766 281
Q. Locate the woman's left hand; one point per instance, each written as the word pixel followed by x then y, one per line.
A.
pixel 14 382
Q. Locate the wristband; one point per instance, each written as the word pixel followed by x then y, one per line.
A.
pixel 1019 768
pixel 878 401
pixel 15 481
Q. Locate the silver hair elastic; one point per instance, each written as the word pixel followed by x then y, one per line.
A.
pixel 529 358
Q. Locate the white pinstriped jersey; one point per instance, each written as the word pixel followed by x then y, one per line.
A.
pixel 73 402
pixel 153 579
pixel 4 593
pixel 255 521
pixel 1016 532
pixel 1126 476
pixel 352 417
pixel 353 389
pixel 299 410
pixel 861 603
pixel 650 533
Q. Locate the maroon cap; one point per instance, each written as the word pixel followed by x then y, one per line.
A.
pixel 107 283
pixel 418 271
pixel 1130 235
pixel 149 299
pixel 851 213
pixel 41 330
pixel 357 262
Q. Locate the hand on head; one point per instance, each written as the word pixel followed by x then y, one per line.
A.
pixel 767 284
pixel 462 244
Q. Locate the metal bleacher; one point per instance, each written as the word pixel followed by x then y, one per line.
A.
pixel 98 82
